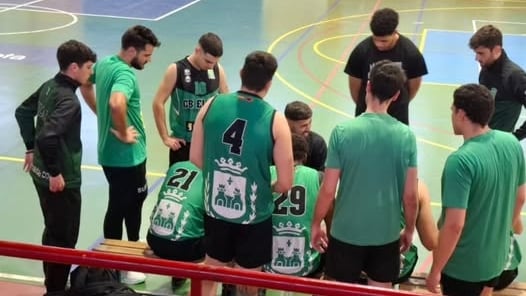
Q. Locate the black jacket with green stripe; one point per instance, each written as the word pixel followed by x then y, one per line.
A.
pixel 55 138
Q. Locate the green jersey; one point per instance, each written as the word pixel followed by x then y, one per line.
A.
pixel 111 75
pixel 373 153
pixel 193 88
pixel 238 152
pixel 178 214
pixel 292 253
pixel 482 177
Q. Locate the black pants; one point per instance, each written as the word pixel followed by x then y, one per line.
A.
pixel 181 154
pixel 128 190
pixel 455 287
pixel 61 211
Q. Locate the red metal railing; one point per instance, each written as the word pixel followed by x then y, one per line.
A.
pixel 197 272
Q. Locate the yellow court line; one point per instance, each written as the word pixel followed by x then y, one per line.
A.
pixel 84 166
pixel 317 50
pixel 423 41
pixel 275 43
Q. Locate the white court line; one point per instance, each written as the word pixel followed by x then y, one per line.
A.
pixel 500 22
pixel 117 17
pixel 24 278
pixel 43 9
pixel 176 10
pixel 20 5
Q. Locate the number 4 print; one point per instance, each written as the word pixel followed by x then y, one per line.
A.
pixel 233 136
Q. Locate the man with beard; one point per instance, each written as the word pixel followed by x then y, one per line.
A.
pixel 505 79
pixel 122 139
pixel 299 118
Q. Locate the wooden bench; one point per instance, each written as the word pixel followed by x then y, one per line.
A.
pixel 125 248
pixel 417 283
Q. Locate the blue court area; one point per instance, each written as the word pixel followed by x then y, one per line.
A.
pixel 450 60
pixel 131 9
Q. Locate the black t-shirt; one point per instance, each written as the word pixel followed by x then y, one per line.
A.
pixel 317 152
pixel 365 55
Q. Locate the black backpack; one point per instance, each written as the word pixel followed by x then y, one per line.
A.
pixel 90 281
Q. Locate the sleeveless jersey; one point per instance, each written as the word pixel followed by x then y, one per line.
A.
pixel 178 214
pixel 292 253
pixel 192 89
pixel 238 151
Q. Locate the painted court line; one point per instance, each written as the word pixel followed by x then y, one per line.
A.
pixel 84 166
pixel 20 5
pixel 500 22
pixel 176 10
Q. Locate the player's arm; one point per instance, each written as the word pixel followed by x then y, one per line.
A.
pixel 355 85
pixel 517 221
pixel 410 204
pixel 414 86
pixel 324 208
pixel 197 147
pixel 425 224
pixel 447 242
pixel 283 158
pixel 163 92
pixel 223 84
pixel 518 86
pixel 88 93
pixel 25 117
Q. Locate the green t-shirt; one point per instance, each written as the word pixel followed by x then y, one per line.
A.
pixel 292 253
pixel 482 177
pixel 238 152
pixel 111 75
pixel 373 153
pixel 178 214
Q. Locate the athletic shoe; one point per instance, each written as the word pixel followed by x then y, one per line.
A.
pixel 132 277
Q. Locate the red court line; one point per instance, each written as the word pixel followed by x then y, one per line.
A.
pixel 424 267
pixel 336 69
pixel 309 73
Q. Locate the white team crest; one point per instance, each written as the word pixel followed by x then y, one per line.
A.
pixel 228 195
pixel 165 217
pixel 288 249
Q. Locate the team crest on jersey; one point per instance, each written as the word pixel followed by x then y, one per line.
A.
pixel 229 189
pixel 288 249
pixel 165 218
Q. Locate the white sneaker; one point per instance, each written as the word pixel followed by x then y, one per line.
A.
pixel 132 277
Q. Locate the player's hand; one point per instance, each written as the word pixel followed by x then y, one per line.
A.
pixel 174 143
pixel 56 184
pixel 406 239
pixel 319 240
pixel 130 136
pixel 433 282
pixel 28 161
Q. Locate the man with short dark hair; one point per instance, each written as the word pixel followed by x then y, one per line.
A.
pixel 504 78
pixel 54 153
pixel 190 82
pixel 375 179
pixel 236 138
pixel 482 195
pixel 299 118
pixel 385 43
pixel 122 137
